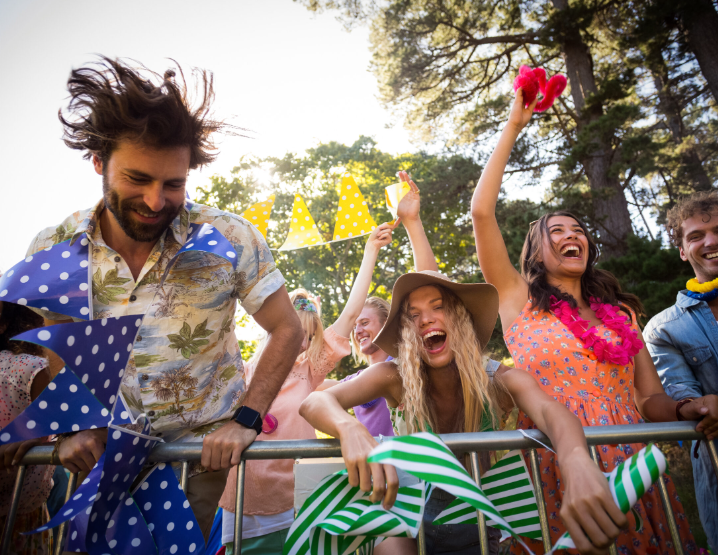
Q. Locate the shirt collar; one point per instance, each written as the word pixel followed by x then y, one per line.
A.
pixel 178 226
pixel 684 301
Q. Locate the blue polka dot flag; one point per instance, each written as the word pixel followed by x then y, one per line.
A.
pixel 127 532
pixel 55 279
pixel 97 351
pixel 168 514
pixel 121 414
pixel 206 238
pixel 65 405
pixel 125 455
pixel 81 501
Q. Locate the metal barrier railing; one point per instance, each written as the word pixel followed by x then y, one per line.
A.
pixel 459 443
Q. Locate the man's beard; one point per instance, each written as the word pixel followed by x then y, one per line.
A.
pixel 137 231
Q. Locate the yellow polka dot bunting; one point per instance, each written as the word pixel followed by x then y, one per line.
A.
pixel 64 406
pixel 353 218
pixel 54 279
pixel 303 231
pixel 258 214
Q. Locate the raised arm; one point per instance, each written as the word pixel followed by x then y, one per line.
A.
pixel 490 247
pixel 588 509
pixel 326 411
pixel 223 447
pixel 409 210
pixel 379 238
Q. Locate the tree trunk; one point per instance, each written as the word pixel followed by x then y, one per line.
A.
pixel 693 175
pixel 700 29
pixel 611 209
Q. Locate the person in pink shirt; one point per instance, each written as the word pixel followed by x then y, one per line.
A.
pixel 23 376
pixel 269 484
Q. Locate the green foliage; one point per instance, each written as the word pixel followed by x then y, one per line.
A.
pixel 654 273
pixel 447 183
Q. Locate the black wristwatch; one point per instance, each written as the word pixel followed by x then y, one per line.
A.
pixel 249 418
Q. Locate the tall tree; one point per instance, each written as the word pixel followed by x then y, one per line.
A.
pixel 447 66
pixel 699 22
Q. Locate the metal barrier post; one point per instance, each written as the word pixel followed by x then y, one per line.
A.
pixel 62 528
pixel 670 517
pixel 713 453
pixel 12 513
pixel 594 455
pixel 239 508
pixel 483 534
pixel 538 489
pixel 421 539
pixel 184 471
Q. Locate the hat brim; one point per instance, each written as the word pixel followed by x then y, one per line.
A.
pixel 480 299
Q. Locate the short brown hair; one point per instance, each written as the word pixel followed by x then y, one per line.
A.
pixel 110 101
pixel 703 202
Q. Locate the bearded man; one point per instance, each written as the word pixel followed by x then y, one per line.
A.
pixel 683 339
pixel 143 136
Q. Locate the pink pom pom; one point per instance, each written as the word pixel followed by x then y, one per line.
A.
pixel 531 81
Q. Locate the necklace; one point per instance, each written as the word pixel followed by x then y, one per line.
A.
pixel 603 350
pixel 702 291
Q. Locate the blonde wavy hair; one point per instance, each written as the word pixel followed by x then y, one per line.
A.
pixel 381 306
pixel 478 392
pixel 311 324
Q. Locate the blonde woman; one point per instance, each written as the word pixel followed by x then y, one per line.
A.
pixel 439 382
pixel 269 484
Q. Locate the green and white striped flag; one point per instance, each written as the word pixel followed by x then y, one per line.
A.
pixel 425 456
pixel 628 482
pixel 338 519
pixel 508 485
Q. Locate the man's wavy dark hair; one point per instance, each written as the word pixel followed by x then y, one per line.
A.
pixel 110 101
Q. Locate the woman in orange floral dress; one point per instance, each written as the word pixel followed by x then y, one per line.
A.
pixel 569 324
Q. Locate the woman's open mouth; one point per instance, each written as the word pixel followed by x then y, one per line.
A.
pixel 572 251
pixel 434 341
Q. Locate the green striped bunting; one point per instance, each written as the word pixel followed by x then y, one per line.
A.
pixel 628 482
pixel 508 485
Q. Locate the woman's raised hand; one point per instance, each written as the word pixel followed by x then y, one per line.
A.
pixel 589 512
pixel 380 479
pixel 410 205
pixel 381 236
pixel 520 115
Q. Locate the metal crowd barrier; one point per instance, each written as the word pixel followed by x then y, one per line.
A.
pixel 459 443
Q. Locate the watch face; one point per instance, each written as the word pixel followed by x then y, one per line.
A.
pixel 248 417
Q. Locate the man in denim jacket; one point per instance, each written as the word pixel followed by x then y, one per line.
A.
pixel 683 339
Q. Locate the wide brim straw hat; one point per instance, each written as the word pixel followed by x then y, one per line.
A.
pixel 480 299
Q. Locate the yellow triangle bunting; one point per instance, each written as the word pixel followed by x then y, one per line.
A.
pixel 353 218
pixel 258 214
pixel 303 231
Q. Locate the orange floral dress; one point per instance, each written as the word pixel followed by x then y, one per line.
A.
pixel 599 394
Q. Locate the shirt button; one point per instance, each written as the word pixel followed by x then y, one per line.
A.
pixel 117 259
pixel 695 359
pixel 151 413
pixel 596 393
pixel 133 298
pixel 145 377
pixel 139 338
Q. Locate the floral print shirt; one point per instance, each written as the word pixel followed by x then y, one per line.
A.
pixel 185 371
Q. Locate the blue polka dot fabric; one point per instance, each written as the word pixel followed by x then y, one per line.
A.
pixel 168 514
pixel 125 455
pixel 127 531
pixel 81 501
pixel 121 414
pixel 97 351
pixel 206 238
pixel 54 279
pixel 65 405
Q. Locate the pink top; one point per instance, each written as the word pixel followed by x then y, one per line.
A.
pixel 16 375
pixel 269 484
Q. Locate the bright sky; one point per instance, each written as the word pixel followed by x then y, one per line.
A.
pixel 293 77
